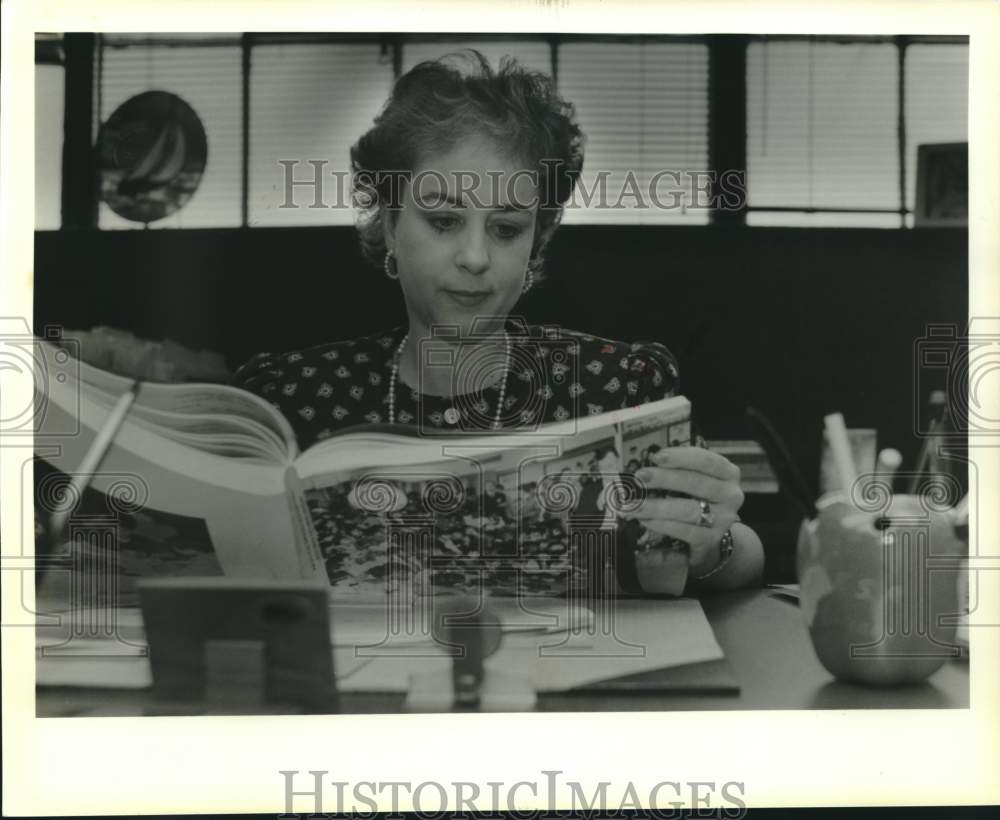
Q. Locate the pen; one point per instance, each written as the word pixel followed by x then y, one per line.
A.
pixel 92 460
pixel 840 447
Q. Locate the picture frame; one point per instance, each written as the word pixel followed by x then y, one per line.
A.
pixel 942 185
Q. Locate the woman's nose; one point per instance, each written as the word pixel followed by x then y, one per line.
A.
pixel 473 255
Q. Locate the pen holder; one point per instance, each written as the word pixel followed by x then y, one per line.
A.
pixel 878 587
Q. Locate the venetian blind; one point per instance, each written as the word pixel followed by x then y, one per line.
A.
pixel 644 110
pixel 208 78
pixel 50 95
pixel 533 54
pixel 822 131
pixel 936 100
pixel 310 103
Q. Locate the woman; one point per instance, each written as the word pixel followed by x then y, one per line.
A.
pixel 461 183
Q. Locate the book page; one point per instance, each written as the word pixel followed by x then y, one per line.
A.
pixel 233 436
pixel 244 506
pixel 508 514
pixel 217 399
pixel 171 405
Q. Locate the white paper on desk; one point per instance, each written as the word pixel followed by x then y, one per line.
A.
pixel 646 635
pixel 65 659
pixel 94 671
pixel 99 669
pixel 107 663
pixel 368 624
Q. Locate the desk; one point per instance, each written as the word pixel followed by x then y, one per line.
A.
pixel 763 637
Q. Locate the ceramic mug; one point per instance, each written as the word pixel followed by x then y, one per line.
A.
pixel 878 585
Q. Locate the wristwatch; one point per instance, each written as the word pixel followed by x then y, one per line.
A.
pixel 726 546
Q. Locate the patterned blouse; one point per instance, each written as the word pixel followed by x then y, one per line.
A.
pixel 555 375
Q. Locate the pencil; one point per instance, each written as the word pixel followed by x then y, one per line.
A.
pixel 92 460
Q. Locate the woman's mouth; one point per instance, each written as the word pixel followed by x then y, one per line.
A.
pixel 468 298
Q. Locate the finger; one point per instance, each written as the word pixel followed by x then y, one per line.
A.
pixel 699 485
pixel 683 510
pixel 702 540
pixel 699 460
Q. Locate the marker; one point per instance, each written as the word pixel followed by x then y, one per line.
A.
pixel 840 447
pixel 926 460
pixel 889 460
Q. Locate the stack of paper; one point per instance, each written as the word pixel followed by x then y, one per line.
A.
pixel 555 645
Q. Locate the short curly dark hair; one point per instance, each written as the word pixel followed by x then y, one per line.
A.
pixel 439 103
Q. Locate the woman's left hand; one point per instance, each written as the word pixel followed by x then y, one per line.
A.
pixel 706 477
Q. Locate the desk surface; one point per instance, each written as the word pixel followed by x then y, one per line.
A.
pixel 764 639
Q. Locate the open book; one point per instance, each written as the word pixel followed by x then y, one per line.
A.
pixel 373 509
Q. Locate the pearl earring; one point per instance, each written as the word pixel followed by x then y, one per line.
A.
pixel 529 281
pixel 387 266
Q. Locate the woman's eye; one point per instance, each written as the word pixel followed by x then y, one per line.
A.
pixel 507 231
pixel 443 222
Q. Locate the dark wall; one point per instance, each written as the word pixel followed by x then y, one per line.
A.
pixel 797 322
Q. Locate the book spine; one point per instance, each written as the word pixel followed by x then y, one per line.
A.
pixel 308 552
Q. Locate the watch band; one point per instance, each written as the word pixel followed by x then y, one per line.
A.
pixel 726 547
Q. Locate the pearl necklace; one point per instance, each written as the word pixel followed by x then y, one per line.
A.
pixel 503 383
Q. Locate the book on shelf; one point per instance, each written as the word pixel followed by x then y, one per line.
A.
pixel 208 478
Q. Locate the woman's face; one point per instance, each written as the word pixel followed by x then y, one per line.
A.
pixel 463 238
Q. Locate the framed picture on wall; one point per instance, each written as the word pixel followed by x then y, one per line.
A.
pixel 942 185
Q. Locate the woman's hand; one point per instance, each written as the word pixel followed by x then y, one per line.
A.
pixel 706 477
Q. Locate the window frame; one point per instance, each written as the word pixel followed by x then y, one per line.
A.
pixel 727 98
pixel 901 42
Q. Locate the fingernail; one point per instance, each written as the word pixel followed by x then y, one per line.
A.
pixel 661 457
pixel 645 474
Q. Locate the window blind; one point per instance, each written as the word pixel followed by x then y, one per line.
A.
pixel 310 102
pixel 208 78
pixel 533 54
pixel 822 131
pixel 644 109
pixel 936 102
pixel 50 94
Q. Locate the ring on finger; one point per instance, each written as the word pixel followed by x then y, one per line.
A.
pixel 705 517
